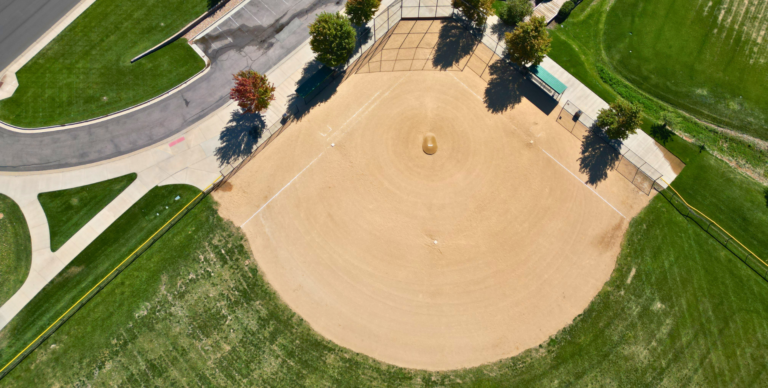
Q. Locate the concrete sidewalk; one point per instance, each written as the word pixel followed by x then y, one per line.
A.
pixel 188 158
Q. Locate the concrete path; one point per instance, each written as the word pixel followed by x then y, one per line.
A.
pixel 548 9
pixel 257 36
pixel 188 158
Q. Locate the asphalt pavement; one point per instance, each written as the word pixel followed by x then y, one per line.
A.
pixel 22 22
pixel 258 36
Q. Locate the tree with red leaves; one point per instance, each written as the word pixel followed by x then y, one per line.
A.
pixel 252 91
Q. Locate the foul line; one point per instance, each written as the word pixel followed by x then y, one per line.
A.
pixel 281 190
pixel 106 277
pixel 584 183
pixel 326 148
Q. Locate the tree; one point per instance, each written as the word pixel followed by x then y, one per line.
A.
pixel 514 11
pixel 620 120
pixel 332 38
pixel 361 12
pixel 668 119
pixel 476 11
pixel 565 11
pixel 252 91
pixel 529 43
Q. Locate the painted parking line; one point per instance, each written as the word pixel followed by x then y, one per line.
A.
pixel 230 39
pixel 270 9
pixel 249 13
pixel 233 21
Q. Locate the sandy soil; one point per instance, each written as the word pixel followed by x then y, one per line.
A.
pixel 464 257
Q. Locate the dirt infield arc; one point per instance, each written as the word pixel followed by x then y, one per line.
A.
pixel 438 262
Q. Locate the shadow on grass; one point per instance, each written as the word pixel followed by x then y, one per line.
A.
pixel 214 3
pixel 766 197
pixel 239 137
pixel 597 157
pixel 454 43
pixel 300 106
pixel 661 133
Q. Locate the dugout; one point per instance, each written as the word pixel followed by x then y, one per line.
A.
pixel 548 82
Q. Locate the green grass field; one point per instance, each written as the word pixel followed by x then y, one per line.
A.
pixel 85 72
pixel 121 238
pixel 679 310
pixel 707 57
pixel 69 210
pixel 578 46
pixel 15 248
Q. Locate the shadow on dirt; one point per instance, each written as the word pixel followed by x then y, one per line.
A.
pixel 239 137
pixel 597 157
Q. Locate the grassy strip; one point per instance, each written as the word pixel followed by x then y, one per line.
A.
pixel 15 248
pixel 708 60
pixel 578 47
pixel 85 71
pixel 92 264
pixel 69 210
pixel 679 310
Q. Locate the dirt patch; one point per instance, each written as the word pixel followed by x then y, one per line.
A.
pixel 443 261
pixel 226 187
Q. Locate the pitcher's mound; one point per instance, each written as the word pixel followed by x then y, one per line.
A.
pixel 475 253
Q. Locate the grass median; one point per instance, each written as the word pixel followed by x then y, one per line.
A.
pixel 679 310
pixel 69 210
pixel 15 248
pixel 85 72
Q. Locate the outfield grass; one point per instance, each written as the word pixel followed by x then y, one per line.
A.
pixel 709 59
pixel 69 210
pixel 578 46
pixel 85 72
pixel 15 248
pixel 679 310
pixel 121 238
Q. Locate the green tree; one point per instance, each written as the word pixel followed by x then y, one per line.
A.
pixel 514 11
pixel 668 119
pixel 252 91
pixel 361 12
pixel 529 43
pixel 332 38
pixel 476 11
pixel 621 119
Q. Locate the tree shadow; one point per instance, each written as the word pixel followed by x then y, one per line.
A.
pixel 213 3
pixel 239 137
pixel 504 89
pixel 300 106
pixel 766 197
pixel 453 44
pixel 597 157
pixel 363 35
pixel 499 30
pixel 661 133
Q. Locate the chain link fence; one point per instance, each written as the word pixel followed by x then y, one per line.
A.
pixel 630 165
pixel 718 233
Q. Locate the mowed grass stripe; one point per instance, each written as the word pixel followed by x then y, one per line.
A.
pixel 707 58
pixel 94 264
pixel 85 72
pixel 197 311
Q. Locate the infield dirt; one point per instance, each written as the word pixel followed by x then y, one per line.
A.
pixel 473 254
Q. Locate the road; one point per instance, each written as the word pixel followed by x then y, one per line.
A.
pixel 258 36
pixel 22 22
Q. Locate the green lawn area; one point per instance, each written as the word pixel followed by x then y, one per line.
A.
pixel 679 310
pixel 497 6
pixel 15 248
pixel 85 72
pixel 121 238
pixel 580 44
pixel 708 59
pixel 69 210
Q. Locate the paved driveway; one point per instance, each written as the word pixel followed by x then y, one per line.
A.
pixel 258 36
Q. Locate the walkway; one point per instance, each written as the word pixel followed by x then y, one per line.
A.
pixel 258 35
pixel 548 9
pixel 187 158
